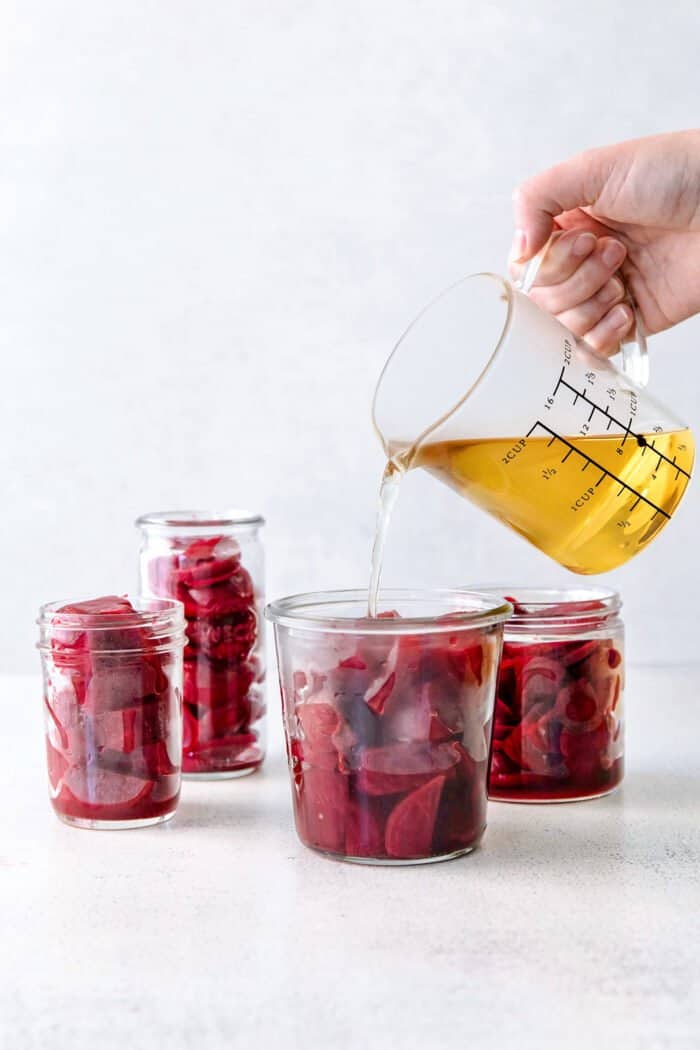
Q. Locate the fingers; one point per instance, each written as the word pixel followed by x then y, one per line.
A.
pixel 605 337
pixel 584 317
pixel 563 257
pixel 575 183
pixel 585 277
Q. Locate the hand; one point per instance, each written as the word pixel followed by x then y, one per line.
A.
pixel 632 208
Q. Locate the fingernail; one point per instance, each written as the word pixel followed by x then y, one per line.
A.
pixel 613 253
pixel 619 318
pixel 519 245
pixel 584 244
pixel 611 291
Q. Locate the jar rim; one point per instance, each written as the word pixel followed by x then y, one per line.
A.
pixel 576 605
pixel 461 609
pixel 167 520
pixel 556 601
pixel 164 618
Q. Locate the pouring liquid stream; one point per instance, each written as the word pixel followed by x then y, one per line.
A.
pixel 388 495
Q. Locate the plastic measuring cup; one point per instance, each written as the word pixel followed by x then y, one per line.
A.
pixel 499 400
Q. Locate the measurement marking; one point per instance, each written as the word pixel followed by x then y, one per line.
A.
pixel 622 490
pixel 635 504
pixel 567 455
pixel 612 419
pixel 591 415
pixel 586 464
pixel 604 471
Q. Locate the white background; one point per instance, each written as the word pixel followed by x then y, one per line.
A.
pixel 215 220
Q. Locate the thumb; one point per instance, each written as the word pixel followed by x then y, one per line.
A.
pixel 576 183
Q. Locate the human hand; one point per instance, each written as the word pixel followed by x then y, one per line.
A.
pixel 632 208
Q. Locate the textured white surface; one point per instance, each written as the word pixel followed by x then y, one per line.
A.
pixel 575 925
pixel 216 219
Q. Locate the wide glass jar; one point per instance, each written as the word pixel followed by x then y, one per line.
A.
pixel 388 720
pixel 112 670
pixel 558 722
pixel 213 564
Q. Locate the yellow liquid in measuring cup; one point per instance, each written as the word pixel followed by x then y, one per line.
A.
pixel 591 503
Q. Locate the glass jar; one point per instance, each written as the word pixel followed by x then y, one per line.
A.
pixel 112 670
pixel 558 723
pixel 213 564
pixel 388 720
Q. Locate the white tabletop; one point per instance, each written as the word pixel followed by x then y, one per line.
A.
pixel 572 926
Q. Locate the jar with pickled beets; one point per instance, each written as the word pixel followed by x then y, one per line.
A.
pixel 213 564
pixel 112 671
pixel 558 722
pixel 388 720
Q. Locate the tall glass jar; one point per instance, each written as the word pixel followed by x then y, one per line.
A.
pixel 213 563
pixel 112 672
pixel 558 721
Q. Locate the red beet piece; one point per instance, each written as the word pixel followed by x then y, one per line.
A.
pixel 57 765
pixel 403 766
pixel 467 662
pixel 352 663
pixel 379 698
pixel 364 833
pixel 324 801
pixel 208 561
pixel 582 751
pixel 220 599
pixel 226 639
pixel 409 829
pixel 319 721
pixel 103 788
pixel 128 802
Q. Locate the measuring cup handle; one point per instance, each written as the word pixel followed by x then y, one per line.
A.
pixel 633 350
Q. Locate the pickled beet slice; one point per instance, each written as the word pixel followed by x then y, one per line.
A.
pixel 126 802
pixel 364 835
pixel 353 663
pixel 319 722
pixel 232 595
pixel 324 800
pixel 57 765
pixel 466 663
pixel 379 698
pixel 110 605
pixel 402 766
pixel 409 829
pixel 102 788
pixel 225 639
pixel 216 686
pixel 208 561
pixel 579 708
